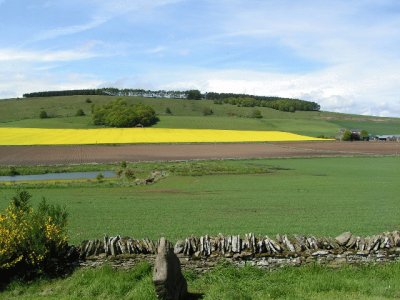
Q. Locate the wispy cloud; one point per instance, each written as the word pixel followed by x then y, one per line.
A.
pixel 73 29
pixel 43 56
pixel 102 12
pixel 157 50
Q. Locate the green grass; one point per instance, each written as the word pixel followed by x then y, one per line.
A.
pixel 31 170
pixel 300 126
pixel 103 283
pixel 197 168
pixel 389 127
pixel 322 196
pixel 224 282
pixel 188 114
pixel 59 122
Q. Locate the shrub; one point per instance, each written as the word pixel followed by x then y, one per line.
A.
pixel 168 111
pixel 123 164
pixel 322 136
pixel 364 135
pixel 88 100
pixel 207 111
pixel 119 114
pixel 13 171
pixel 130 174
pixel 346 135
pixel 31 240
pixel 100 177
pixel 256 113
pixel 43 114
pixel 80 113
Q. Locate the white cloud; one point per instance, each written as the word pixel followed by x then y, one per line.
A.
pixel 19 83
pixel 31 56
pixel 43 56
pixel 24 71
pixel 337 88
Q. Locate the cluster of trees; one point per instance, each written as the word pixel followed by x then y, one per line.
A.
pixel 113 92
pixel 146 93
pixel 283 104
pixel 194 95
pixel 64 93
pixel 119 113
pixel 349 135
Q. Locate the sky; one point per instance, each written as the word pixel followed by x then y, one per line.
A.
pixel 345 55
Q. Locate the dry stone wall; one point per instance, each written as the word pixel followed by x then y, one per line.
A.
pixel 204 252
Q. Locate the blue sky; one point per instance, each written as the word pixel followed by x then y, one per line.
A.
pixel 342 54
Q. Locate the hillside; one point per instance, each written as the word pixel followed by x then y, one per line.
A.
pixel 189 114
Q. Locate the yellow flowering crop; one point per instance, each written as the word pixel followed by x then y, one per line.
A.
pixel 36 136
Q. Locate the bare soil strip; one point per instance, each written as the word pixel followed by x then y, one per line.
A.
pixel 50 155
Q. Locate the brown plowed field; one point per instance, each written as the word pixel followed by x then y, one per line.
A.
pixel 48 155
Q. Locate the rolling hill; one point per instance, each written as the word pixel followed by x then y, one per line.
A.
pixel 189 114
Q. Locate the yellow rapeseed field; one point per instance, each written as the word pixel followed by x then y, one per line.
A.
pixel 38 136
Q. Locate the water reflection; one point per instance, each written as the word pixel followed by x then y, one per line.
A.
pixel 58 176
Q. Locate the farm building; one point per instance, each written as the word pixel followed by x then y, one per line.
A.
pixel 387 137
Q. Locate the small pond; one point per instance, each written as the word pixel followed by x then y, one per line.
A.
pixel 58 176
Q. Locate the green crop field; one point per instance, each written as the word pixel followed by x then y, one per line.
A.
pixel 322 196
pixel 188 114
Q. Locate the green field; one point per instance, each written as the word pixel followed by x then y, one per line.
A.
pixel 321 196
pixel 188 114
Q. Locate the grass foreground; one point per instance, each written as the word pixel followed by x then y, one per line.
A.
pixel 223 282
pixel 40 136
